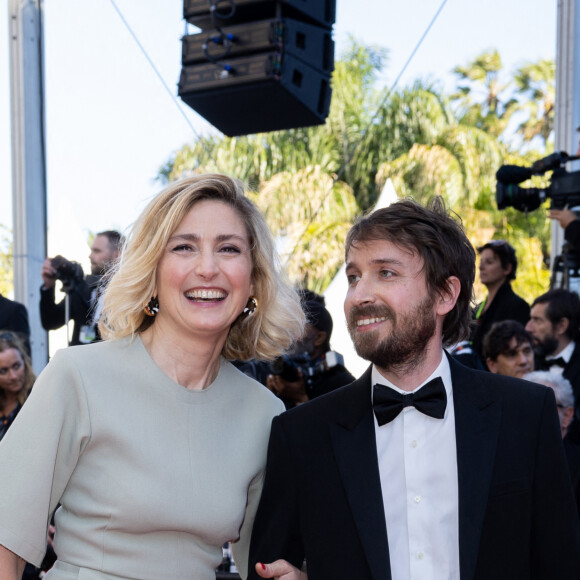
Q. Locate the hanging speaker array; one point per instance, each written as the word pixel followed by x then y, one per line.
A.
pixel 258 65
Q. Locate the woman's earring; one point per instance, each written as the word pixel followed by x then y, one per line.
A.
pixel 151 308
pixel 251 306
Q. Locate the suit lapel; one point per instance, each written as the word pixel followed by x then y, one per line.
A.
pixel 353 440
pixel 477 421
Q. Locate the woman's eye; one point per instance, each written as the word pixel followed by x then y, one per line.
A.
pixel 230 250
pixel 182 248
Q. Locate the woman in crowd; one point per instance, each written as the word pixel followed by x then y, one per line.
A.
pixel 497 268
pixel 151 441
pixel 16 378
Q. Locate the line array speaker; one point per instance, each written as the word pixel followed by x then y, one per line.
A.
pixel 266 74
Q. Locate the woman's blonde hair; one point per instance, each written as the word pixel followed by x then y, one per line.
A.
pixel 9 340
pixel 266 333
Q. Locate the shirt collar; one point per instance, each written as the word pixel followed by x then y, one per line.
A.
pixel 442 371
pixel 566 353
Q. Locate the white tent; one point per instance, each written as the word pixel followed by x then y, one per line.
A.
pixel 335 294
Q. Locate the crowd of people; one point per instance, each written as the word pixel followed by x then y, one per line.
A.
pixel 201 405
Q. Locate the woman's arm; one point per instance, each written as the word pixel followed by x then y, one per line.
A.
pixel 11 565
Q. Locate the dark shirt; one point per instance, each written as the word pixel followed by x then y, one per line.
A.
pixel 7 420
pixel 14 317
pixel 573 457
pixel 506 305
pixel 52 314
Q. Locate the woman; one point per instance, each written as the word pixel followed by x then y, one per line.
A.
pixel 16 378
pixel 497 268
pixel 154 444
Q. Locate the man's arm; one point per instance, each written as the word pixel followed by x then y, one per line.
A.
pixel 276 534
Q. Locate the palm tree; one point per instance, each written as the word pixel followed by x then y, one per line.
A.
pixel 310 214
pixel 480 99
pixel 536 82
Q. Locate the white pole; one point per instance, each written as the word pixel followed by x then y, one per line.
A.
pixel 28 162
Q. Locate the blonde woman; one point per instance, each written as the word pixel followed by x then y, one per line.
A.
pixel 153 443
pixel 16 378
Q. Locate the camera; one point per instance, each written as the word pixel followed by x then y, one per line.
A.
pixel 287 366
pixel 67 272
pixel 564 188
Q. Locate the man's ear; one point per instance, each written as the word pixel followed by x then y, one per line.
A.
pixel 491 365
pixel 561 326
pixel 448 297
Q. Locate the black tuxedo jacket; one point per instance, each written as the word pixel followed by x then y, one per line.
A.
pixel 322 495
pixel 52 314
pixel 14 317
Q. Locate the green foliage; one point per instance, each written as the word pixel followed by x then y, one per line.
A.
pixel 311 182
pixel 6 271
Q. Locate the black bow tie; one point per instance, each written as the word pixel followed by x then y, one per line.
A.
pixel 558 362
pixel 430 399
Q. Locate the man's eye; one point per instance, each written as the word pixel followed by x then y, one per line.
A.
pixel 352 278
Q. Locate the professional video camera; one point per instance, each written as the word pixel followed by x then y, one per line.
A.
pixel 287 366
pixel 69 273
pixel 564 188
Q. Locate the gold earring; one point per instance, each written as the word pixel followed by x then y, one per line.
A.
pixel 151 308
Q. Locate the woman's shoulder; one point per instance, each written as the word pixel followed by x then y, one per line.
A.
pixel 249 387
pixel 97 354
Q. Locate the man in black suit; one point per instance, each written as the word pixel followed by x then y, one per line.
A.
pixel 438 471
pixel 14 317
pixel 83 303
pixel 555 327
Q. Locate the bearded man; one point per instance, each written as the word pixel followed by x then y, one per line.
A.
pixel 421 468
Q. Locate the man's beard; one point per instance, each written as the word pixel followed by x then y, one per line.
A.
pixel 545 348
pixel 405 345
pixel 98 269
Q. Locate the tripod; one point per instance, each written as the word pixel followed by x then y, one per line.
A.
pixel 566 270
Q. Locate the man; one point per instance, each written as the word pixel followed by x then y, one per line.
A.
pixel 471 484
pixel 568 220
pixel 14 317
pixel 83 294
pixel 509 349
pixel 320 370
pixel 555 326
pixel 565 403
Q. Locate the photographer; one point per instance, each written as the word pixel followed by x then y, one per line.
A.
pixel 82 293
pixel 569 221
pixel 317 370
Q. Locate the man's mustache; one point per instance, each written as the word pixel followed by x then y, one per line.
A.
pixel 358 312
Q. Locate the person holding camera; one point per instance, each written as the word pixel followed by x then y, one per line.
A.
pixel 82 303
pixel 312 369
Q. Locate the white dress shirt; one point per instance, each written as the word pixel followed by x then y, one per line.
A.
pixel 566 354
pixel 418 470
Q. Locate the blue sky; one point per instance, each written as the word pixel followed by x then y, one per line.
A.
pixel 111 123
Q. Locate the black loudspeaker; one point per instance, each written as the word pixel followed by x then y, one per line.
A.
pixel 201 13
pixel 268 74
pixel 266 93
